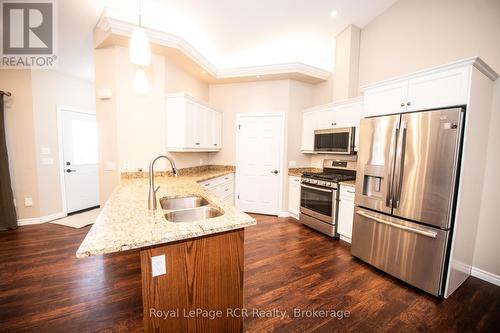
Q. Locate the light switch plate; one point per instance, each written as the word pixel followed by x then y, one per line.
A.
pixel 158 265
pixel 47 161
pixel 28 202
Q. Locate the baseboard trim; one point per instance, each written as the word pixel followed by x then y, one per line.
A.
pixel 41 219
pixel 345 239
pixel 486 276
pixel 283 214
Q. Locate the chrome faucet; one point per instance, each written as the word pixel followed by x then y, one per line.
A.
pixel 152 204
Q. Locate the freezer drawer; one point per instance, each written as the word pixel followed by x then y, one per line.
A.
pixel 408 251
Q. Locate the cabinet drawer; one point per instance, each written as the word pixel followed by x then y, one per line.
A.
pixel 223 190
pixel 217 181
pixel 229 199
pixel 347 192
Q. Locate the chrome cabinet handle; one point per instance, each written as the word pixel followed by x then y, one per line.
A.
pixel 408 103
pixel 275 172
pixel 350 192
pixel 197 143
pixel 70 170
pixel 402 104
pixel 431 234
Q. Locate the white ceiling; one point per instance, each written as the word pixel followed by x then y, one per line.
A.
pixel 229 33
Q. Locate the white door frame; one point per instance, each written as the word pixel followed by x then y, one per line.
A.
pixel 62 183
pixel 281 145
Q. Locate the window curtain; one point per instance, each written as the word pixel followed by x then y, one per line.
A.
pixel 8 218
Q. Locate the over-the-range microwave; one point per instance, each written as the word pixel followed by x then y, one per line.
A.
pixel 334 140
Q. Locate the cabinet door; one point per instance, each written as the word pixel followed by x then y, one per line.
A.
pixel 191 135
pixel 202 126
pixel 387 99
pixel 308 126
pixel 447 88
pixel 294 195
pixel 346 217
pixel 216 130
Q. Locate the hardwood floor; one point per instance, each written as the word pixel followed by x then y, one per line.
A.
pixel 44 288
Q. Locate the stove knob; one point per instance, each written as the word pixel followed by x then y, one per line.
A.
pixel 328 184
pixel 322 183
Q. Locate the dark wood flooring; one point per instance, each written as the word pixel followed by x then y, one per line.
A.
pixel 44 288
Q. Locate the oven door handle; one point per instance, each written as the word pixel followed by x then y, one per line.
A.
pixel 317 188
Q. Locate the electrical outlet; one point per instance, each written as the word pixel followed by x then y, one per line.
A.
pixel 126 166
pixel 158 265
pixel 28 202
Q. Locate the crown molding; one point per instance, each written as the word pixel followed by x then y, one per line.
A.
pixel 475 61
pixel 109 32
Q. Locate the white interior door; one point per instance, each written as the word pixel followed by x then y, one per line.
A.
pixel 258 163
pixel 80 160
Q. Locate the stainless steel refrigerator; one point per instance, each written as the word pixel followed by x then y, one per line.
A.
pixel 406 184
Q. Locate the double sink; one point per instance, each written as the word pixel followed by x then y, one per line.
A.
pixel 189 209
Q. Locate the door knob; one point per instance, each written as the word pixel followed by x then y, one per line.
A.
pixel 70 171
pixel 68 163
pixel 402 104
pixel 409 103
pixel 275 172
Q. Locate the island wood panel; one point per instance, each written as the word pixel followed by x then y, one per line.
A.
pixel 203 273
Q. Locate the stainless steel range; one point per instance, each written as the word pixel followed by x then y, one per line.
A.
pixel 319 198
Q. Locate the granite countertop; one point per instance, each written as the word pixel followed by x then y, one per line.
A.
pixel 351 183
pixel 126 223
pixel 297 172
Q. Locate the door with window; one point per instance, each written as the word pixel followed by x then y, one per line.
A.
pixel 258 163
pixel 80 160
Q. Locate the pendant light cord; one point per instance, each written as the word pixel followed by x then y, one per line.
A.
pixel 140 11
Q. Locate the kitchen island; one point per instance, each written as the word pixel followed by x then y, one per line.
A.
pixel 203 259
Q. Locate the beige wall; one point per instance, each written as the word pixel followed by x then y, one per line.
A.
pixel 301 97
pixel 287 96
pixel 265 96
pixel 31 124
pixel 133 125
pixel 20 132
pixel 345 77
pixel 417 34
pixel 51 88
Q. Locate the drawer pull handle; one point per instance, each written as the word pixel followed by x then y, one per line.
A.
pixel 430 234
pixel 348 191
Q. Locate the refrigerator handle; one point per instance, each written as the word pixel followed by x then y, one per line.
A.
pixel 427 233
pixel 389 195
pixel 400 165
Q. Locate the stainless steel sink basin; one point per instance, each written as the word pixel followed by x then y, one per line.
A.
pixel 195 214
pixel 183 202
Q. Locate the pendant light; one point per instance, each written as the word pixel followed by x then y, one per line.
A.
pixel 139 49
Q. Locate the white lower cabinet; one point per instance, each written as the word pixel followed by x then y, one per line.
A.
pixel 294 195
pixel 346 212
pixel 222 187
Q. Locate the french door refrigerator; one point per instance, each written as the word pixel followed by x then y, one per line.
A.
pixel 406 185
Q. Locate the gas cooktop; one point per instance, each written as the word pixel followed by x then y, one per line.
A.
pixel 329 176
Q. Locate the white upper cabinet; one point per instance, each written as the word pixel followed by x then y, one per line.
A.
pixel 192 125
pixel 439 87
pixel 309 120
pixel 386 99
pixel 334 115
